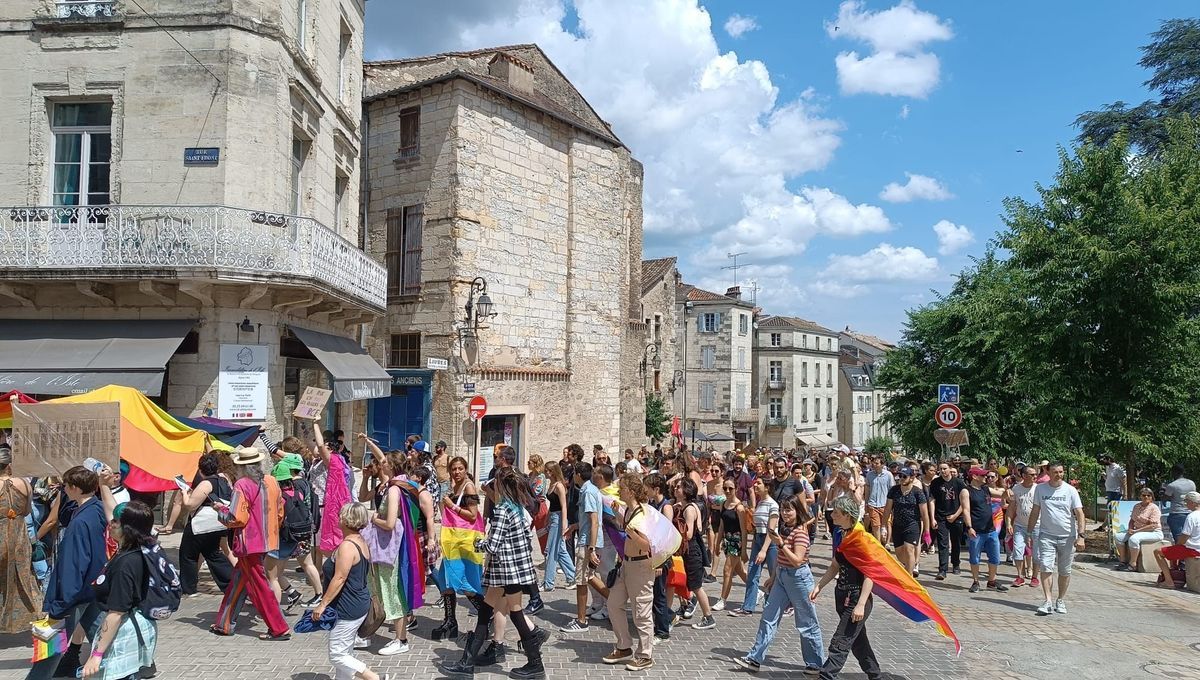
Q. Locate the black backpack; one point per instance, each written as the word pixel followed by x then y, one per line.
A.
pixel 163 590
pixel 297 516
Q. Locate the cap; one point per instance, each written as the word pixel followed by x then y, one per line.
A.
pixel 420 445
pixel 905 472
pixel 978 471
pixel 1044 463
pixel 283 469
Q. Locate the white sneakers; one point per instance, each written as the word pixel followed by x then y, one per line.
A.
pixel 394 647
pixel 600 614
pixel 360 643
pixel 1060 607
pixel 1055 607
pixel 718 605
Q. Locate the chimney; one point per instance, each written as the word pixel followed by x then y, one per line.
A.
pixel 511 70
pixel 734 292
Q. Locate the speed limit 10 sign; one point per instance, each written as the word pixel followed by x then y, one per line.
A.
pixel 947 416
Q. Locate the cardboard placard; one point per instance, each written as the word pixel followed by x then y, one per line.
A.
pixel 312 403
pixel 49 439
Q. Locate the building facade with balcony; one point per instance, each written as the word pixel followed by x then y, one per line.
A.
pixel 660 366
pixel 179 194
pixel 795 362
pixel 716 336
pixel 509 218
pixel 868 353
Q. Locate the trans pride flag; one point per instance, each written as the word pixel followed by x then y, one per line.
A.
pixel 893 583
pixel 462 565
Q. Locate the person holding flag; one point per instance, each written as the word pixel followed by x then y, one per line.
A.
pixel 862 567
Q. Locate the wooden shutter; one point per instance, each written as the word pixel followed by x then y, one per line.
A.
pixel 392 257
pixel 414 218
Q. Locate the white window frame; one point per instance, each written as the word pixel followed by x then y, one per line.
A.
pixel 743 324
pixel 297 175
pixel 345 38
pixel 340 184
pixel 816 409
pixel 804 374
pixel 85 152
pixel 302 25
pixel 775 408
pixel 705 326
pixel 828 408
pixel 741 358
pixel 804 410
pixel 777 339
pixel 775 370
pixel 740 396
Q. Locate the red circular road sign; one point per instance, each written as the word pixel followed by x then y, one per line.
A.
pixel 477 407
pixel 947 416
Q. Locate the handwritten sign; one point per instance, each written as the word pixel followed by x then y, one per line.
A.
pixel 49 439
pixel 312 402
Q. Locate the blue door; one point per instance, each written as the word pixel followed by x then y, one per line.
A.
pixel 394 418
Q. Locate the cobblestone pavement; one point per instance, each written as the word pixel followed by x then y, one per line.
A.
pixel 1119 626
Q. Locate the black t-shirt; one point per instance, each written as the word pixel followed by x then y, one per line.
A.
pixel 572 504
pixel 121 585
pixel 945 496
pixel 981 510
pixel 906 507
pixel 781 491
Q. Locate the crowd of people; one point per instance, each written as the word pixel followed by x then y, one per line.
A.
pixel 369 530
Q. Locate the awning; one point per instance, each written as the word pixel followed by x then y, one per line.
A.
pixel 355 374
pixel 817 441
pixel 43 356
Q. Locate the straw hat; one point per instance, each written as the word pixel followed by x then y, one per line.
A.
pixel 247 455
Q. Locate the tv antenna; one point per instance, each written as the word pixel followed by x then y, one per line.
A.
pixel 734 266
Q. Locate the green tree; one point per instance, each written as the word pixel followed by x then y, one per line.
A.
pixel 1173 56
pixel 879 445
pixel 658 419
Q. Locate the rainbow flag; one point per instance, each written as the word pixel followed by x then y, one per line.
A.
pixel 462 565
pixel 410 570
pixel 893 583
pixel 997 513
pixel 609 496
pixel 6 407
pixel 55 644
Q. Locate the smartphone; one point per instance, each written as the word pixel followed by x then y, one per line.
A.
pixel 182 484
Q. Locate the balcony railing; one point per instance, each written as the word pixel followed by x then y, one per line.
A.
pixel 246 243
pixel 777 384
pixel 776 423
pixel 85 8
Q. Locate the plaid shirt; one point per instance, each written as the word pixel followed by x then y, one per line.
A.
pixel 508 546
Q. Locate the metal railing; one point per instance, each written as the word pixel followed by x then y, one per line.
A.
pixel 775 423
pixel 85 8
pixel 777 384
pixel 138 237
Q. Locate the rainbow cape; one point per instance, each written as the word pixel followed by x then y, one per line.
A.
pixel 614 536
pixel 410 570
pixel 6 407
pixel 893 583
pixel 462 565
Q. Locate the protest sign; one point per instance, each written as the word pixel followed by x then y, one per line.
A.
pixel 49 439
pixel 312 403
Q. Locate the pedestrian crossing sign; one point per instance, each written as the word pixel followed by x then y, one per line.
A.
pixel 947 394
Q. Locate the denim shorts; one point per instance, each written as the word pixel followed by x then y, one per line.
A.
pixel 989 542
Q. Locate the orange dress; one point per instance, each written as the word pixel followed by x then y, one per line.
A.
pixel 20 597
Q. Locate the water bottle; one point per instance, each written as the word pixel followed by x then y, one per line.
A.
pixel 93 464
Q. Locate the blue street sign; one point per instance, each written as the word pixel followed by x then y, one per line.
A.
pixel 947 394
pixel 202 156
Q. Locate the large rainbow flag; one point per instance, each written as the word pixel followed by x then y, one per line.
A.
pixel 155 444
pixel 6 407
pixel 893 583
pixel 410 570
pixel 462 565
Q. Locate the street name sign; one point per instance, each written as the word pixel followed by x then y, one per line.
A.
pixel 437 364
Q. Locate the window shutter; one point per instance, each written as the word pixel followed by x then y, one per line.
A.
pixel 414 225
pixel 393 255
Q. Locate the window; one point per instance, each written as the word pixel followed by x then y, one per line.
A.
pixel 868 403
pixel 743 324
pixel 775 370
pixel 776 339
pixel 861 404
pixel 740 397
pixel 708 357
pixel 804 410
pixel 862 434
pixel 828 344
pixel 804 341
pixel 82 153
pixel 829 375
pixel 302 24
pixel 340 182
pixel 404 249
pixel 410 132
pixel 804 373
pixel 657 328
pixel 709 322
pixel 817 377
pixel 657 380
pixel 828 408
pixel 299 155
pixel 816 409
pixel 741 358
pixel 708 396
pixel 775 408
pixel 343 50
pixel 406 351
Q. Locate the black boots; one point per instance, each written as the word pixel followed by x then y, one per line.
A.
pixel 493 654
pixel 449 628
pixel 532 645
pixel 465 667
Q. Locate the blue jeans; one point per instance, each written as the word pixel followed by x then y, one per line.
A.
pixel 556 553
pixel 89 616
pixel 1175 522
pixel 755 570
pixel 990 542
pixel 792 586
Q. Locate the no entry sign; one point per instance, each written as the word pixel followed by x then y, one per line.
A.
pixel 947 416
pixel 477 407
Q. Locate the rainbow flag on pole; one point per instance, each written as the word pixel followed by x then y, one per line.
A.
pixel 893 583
pixel 6 407
pixel 462 565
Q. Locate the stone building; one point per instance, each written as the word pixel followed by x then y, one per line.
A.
pixel 716 339
pixel 180 189
pixel 509 218
pixel 660 363
pixel 796 388
pixel 868 353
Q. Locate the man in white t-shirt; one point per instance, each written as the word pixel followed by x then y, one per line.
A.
pixel 1024 540
pixel 632 464
pixel 1114 481
pixel 1058 507
pixel 1187 541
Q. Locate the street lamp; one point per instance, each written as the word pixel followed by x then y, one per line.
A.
pixel 650 357
pixel 483 307
pixel 247 327
pixel 676 380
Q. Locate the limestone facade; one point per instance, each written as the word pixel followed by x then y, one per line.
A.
pixel 867 354
pixel 796 386
pixel 660 279
pixel 487 167
pixel 716 334
pixel 269 233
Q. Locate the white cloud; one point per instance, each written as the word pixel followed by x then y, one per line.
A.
pixel 898 63
pixel 904 111
pixel 840 290
pixel 917 188
pixel 884 262
pixel 737 25
pixel 952 237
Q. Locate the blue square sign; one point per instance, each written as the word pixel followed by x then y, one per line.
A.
pixel 947 394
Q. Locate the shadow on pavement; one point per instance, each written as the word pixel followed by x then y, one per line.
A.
pixel 1023 606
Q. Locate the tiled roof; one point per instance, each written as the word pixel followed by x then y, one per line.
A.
pixel 693 294
pixel 654 270
pixel 794 322
pixel 878 343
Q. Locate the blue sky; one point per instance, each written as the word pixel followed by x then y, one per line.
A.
pixel 775 134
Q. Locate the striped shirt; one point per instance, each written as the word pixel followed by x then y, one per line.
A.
pixel 796 541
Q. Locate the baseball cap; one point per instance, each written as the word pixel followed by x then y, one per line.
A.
pixel 420 445
pixel 1044 463
pixel 905 472
pixel 978 471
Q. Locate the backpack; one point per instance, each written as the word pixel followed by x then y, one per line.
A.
pixel 163 589
pixel 297 517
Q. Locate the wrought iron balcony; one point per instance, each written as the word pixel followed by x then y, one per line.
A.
pixel 85 8
pixel 218 242
pixel 777 384
pixel 776 423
